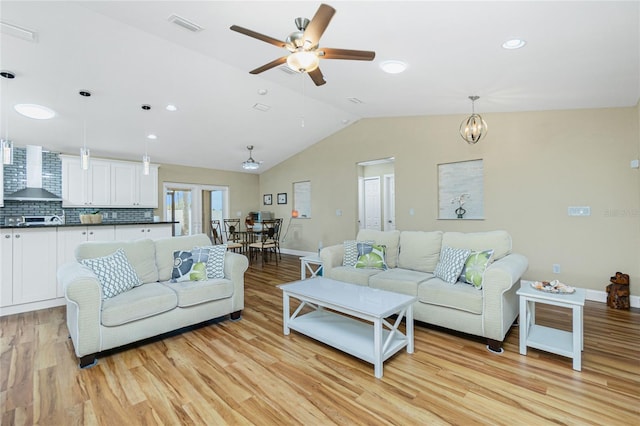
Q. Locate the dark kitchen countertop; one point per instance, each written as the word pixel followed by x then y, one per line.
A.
pixel 69 225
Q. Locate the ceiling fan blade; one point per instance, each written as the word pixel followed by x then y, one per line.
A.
pixel 259 36
pixel 317 77
pixel 318 24
pixel 270 65
pixel 356 55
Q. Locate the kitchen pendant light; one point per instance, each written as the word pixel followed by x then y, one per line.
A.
pixel 250 164
pixel 7 144
pixel 474 127
pixel 85 155
pixel 146 159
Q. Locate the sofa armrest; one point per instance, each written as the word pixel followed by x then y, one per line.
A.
pixel 84 303
pixel 331 257
pixel 235 266
pixel 500 301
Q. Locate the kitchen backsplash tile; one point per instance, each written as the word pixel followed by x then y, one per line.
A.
pixel 15 178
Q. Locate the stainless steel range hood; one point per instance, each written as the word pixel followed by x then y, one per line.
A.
pixel 34 190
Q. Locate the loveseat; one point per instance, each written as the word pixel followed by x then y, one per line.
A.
pixel 99 320
pixel 486 309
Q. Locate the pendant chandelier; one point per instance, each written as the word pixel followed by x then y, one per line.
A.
pixel 474 127
pixel 250 164
pixel 146 159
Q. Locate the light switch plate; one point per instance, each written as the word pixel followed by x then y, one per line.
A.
pixel 579 211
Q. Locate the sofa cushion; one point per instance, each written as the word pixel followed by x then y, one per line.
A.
pixel 399 280
pixel 458 296
pixel 474 267
pixel 352 275
pixel 371 256
pixel 190 265
pixel 141 255
pixel 166 246
pixel 115 273
pixel 419 250
pixel 195 292
pixel 499 241
pixel 139 302
pixel 451 263
pixel 389 239
pixel 215 262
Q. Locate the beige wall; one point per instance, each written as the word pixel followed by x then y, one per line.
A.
pixel 243 187
pixel 536 164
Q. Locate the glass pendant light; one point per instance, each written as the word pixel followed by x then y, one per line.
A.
pixel 85 155
pixel 7 144
pixel 146 159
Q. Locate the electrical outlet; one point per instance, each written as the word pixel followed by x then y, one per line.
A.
pixel 556 268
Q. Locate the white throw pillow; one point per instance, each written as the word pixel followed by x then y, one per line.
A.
pixel 451 263
pixel 115 273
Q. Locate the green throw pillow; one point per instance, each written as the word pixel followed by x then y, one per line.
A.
pixel 474 267
pixel 371 256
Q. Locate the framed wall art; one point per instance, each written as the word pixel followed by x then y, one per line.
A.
pixel 461 190
pixel 282 198
pixel 266 199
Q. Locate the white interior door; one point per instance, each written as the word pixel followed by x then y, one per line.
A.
pixel 389 202
pixel 372 203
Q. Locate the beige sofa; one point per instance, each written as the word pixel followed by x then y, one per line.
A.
pixel 155 307
pixel 412 256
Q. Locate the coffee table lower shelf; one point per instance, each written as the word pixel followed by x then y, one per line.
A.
pixel 346 334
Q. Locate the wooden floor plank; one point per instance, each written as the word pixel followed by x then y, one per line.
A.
pixel 249 372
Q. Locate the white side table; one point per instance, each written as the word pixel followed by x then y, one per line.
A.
pixel 313 264
pixel 565 343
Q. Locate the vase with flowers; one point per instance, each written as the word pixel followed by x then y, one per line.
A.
pixel 460 200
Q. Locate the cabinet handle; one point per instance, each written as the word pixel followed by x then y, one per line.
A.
pixel 91 233
pixel 18 236
pixel 142 230
pixel 7 236
pixel 84 232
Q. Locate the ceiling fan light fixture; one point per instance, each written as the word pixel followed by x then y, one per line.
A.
pixel 250 163
pixel 303 61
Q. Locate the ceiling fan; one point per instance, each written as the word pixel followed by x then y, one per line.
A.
pixel 303 44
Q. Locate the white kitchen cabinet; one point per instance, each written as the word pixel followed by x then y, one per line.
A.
pixel 28 265
pixel 85 188
pixel 130 187
pixel 70 237
pixel 148 230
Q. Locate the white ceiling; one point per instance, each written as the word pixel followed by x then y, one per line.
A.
pixel 578 55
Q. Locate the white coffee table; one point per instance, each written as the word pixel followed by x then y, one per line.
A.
pixel 565 343
pixel 373 343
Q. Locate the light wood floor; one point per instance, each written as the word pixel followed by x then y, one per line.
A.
pixel 248 372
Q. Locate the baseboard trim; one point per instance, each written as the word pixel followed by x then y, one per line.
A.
pixel 601 296
pixel 297 252
pixel 34 306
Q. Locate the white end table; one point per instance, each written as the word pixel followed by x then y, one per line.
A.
pixel 565 343
pixel 313 264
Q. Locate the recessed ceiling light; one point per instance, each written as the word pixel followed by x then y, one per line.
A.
pixel 152 136
pixel 37 112
pixel 171 107
pixel 393 67
pixel 514 43
pixel 262 92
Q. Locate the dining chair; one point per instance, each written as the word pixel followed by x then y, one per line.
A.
pixel 266 244
pixel 216 232
pixel 232 234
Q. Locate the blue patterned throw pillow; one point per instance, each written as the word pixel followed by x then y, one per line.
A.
pixel 215 260
pixel 451 263
pixel 115 273
pixel 189 265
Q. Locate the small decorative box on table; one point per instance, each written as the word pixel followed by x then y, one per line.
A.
pixel 565 343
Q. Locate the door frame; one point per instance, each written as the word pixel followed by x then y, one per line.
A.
pixel 196 189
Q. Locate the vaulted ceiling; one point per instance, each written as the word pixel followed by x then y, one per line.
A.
pixel 128 53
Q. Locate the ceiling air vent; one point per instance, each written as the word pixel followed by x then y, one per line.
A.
pixel 16 31
pixel 355 100
pixel 185 23
pixel 262 107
